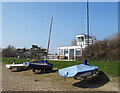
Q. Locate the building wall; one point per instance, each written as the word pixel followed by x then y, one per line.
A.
pixel 52 56
pixel 68 51
pixel 73 51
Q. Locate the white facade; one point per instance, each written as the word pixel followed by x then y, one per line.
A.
pixel 52 57
pixel 71 52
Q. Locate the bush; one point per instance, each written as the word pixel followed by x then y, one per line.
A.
pixel 103 50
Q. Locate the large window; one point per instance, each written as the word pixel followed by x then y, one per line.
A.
pixel 60 52
pixel 80 39
pixel 65 51
pixel 78 51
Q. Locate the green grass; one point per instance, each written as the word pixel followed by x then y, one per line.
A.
pixel 108 67
pixel 63 64
pixel 11 60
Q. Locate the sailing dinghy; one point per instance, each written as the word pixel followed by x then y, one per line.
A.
pixel 10 66
pixel 82 70
pixel 39 65
pixel 18 67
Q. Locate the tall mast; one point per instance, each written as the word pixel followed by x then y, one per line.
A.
pixel 81 26
pixel 88 27
pixel 49 39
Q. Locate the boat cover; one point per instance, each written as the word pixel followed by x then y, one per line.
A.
pixel 43 63
pixel 77 70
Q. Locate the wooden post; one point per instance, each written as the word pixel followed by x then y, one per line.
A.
pixel 49 39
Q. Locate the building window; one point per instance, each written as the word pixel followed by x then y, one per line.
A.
pixel 60 52
pixel 80 39
pixel 65 51
pixel 71 52
pixel 78 51
pixel 86 41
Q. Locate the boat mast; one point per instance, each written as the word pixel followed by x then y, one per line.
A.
pixel 81 26
pixel 49 39
pixel 88 27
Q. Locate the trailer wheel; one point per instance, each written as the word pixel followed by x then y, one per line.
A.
pixel 75 78
pixel 17 69
pixel 33 70
pixel 41 71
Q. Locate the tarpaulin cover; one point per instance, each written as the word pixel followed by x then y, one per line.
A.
pixel 74 70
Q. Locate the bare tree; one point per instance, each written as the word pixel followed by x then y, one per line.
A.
pixel 104 50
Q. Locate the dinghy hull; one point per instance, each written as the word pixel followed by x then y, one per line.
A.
pixel 10 66
pixel 39 65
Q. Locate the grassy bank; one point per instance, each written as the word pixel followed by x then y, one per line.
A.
pixel 108 67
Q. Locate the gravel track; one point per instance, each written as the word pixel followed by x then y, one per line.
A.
pixel 27 81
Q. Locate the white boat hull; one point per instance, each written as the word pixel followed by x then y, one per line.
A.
pixel 10 66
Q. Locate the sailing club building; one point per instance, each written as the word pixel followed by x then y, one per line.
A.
pixel 73 51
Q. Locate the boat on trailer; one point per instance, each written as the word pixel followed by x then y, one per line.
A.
pixel 18 67
pixel 43 65
pixel 82 70
pixel 35 65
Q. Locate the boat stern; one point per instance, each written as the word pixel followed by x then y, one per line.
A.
pixel 68 72
pixel 26 64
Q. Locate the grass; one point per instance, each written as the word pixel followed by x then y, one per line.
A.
pixel 11 60
pixel 63 64
pixel 108 67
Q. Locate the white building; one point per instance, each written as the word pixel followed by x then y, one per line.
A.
pixel 71 52
pixel 52 57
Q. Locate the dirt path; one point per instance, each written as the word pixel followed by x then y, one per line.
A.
pixel 27 81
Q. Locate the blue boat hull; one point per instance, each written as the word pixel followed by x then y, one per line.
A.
pixel 39 65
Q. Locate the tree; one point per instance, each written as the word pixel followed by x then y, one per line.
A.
pixel 10 51
pixel 104 50
pixel 37 52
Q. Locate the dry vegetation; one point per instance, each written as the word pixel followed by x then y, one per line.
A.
pixel 104 50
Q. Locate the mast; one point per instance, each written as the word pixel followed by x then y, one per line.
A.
pixel 49 38
pixel 81 26
pixel 88 27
